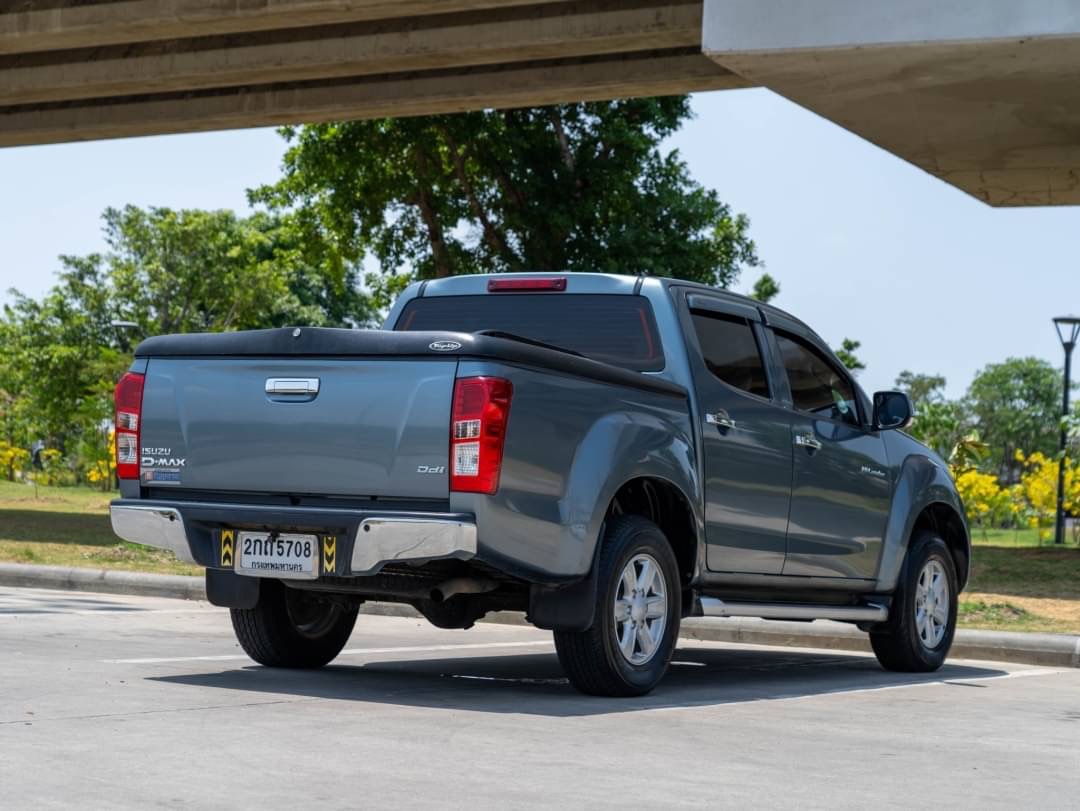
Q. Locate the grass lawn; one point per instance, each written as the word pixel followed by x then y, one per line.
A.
pixel 69 526
pixel 1020 582
pixel 1016 584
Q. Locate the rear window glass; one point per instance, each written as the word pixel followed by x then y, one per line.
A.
pixel 731 352
pixel 619 330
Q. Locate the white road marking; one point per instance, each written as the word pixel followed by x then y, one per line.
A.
pixel 97 612
pixel 523 680
pixel 351 652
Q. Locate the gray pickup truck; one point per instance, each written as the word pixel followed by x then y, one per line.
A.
pixel 608 454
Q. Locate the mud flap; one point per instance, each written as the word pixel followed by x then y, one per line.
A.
pixel 564 608
pixel 230 590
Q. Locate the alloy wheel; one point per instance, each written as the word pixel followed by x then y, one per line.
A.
pixel 641 608
pixel 932 604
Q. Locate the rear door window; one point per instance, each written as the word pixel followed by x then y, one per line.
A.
pixel 731 351
pixel 616 329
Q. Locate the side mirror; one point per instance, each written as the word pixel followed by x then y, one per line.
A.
pixel 892 410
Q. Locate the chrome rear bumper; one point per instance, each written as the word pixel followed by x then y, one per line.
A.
pixel 384 540
pixel 160 527
pixel 376 541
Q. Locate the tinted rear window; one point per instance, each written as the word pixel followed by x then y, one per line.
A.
pixel 731 352
pixel 615 329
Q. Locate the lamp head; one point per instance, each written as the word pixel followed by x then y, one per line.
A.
pixel 1068 330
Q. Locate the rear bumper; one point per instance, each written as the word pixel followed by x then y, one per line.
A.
pixel 386 539
pixel 191 530
pixel 160 527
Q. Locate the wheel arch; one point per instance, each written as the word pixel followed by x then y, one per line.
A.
pixel 943 520
pixel 666 505
pixel 570 608
pixel 924 498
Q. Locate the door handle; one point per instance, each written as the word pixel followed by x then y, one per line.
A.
pixel 807 441
pixel 721 420
pixel 292 385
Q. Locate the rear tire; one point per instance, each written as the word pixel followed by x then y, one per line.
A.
pixel 922 621
pixel 293 628
pixel 627 650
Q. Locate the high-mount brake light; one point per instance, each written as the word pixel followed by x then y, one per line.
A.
pixel 128 397
pixel 526 285
pixel 478 432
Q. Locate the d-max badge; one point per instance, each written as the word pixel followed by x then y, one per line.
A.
pixel 444 346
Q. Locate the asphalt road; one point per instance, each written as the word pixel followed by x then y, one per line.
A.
pixel 125 702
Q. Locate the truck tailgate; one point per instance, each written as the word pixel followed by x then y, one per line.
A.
pixel 373 428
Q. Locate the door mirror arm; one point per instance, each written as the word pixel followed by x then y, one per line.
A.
pixel 892 411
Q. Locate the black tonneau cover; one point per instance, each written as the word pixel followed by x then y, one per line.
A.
pixel 321 342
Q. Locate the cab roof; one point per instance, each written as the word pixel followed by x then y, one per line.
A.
pixel 583 283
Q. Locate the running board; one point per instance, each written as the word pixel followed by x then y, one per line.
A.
pixel 871 612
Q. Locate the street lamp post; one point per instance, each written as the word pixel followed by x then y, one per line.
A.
pixel 1068 330
pixel 123 328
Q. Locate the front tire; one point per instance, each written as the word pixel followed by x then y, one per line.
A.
pixel 293 628
pixel 627 650
pixel 922 624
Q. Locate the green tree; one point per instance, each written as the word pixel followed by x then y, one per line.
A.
pixel 166 271
pixel 943 426
pixel 766 288
pixel 14 409
pixel 922 389
pixel 579 187
pixel 847 356
pixel 1016 406
pixel 1072 431
pixel 189 271
pixel 940 424
pixel 62 361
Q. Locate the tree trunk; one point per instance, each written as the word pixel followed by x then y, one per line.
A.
pixel 560 136
pixel 439 252
pixel 493 235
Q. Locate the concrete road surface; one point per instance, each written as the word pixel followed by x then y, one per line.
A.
pixel 123 702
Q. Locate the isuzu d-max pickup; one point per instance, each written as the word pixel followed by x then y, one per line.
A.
pixel 608 454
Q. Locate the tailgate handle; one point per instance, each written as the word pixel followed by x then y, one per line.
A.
pixel 292 385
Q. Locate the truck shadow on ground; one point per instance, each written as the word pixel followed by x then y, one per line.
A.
pixel 534 684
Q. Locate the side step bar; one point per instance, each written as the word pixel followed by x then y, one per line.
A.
pixel 871 612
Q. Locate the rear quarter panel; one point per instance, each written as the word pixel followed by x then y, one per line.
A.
pixel 571 443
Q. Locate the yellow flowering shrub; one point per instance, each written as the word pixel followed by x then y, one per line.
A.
pixel 1039 484
pixel 101 471
pixel 52 468
pixel 12 459
pixel 987 502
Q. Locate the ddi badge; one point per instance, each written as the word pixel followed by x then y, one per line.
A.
pixel 228 539
pixel 329 554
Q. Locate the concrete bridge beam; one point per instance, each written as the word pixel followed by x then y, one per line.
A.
pixel 980 93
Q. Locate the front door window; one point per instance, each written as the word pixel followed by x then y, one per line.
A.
pixel 816 386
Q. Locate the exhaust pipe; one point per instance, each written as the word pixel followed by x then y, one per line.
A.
pixel 461 585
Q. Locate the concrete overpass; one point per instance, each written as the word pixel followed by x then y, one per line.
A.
pixel 982 93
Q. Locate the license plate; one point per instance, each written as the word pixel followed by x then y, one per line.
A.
pixel 283 554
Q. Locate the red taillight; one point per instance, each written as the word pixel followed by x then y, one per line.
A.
pixel 128 397
pixel 477 432
pixel 524 285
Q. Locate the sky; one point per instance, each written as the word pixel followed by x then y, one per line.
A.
pixel 864 245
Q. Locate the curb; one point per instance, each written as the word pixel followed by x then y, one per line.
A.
pixel 102 580
pixel 1054 650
